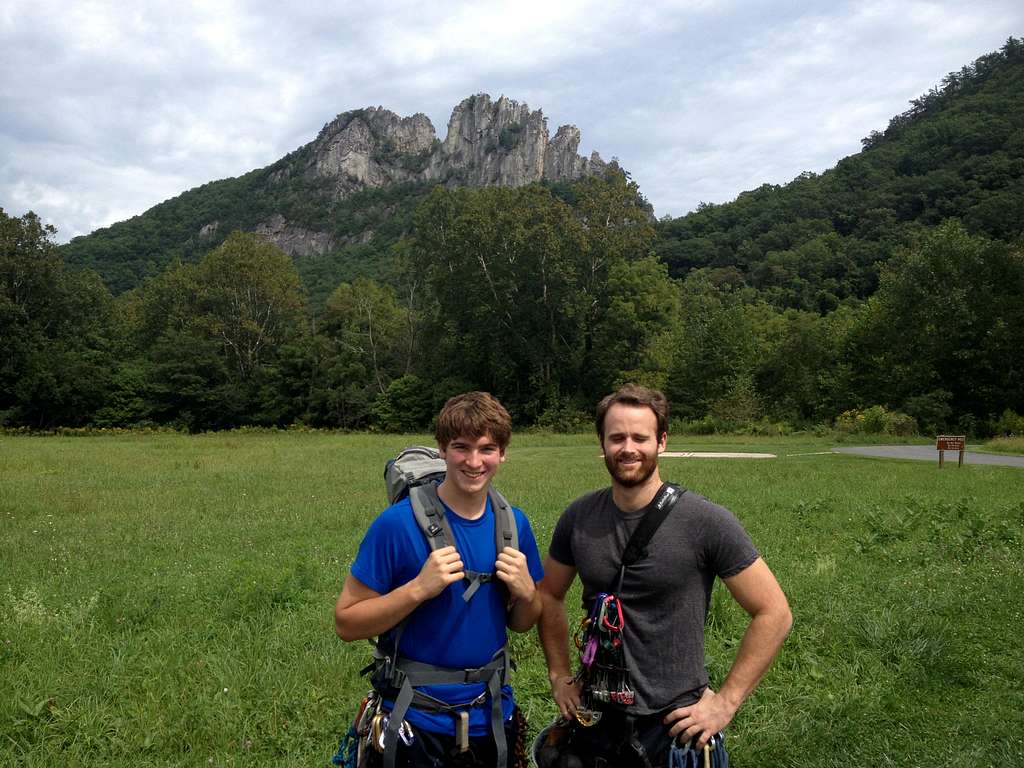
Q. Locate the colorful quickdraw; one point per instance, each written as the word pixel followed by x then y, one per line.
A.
pixel 600 638
pixel 602 656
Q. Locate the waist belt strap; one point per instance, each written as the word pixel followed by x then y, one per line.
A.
pixel 427 674
pixel 414 673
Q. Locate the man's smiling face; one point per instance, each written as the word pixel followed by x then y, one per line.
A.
pixel 472 462
pixel 631 444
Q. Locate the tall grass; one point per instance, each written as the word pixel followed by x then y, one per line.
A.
pixel 167 600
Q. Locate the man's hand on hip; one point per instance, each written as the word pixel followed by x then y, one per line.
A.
pixel 703 719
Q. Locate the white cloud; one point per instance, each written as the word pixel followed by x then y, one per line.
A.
pixel 110 108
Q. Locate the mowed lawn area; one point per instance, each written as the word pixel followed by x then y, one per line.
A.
pixel 167 600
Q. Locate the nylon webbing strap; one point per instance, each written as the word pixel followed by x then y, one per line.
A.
pixel 504 522
pixel 428 506
pixel 475 579
pixel 655 515
pixel 497 724
pixel 657 511
pixel 425 502
pixel 419 673
pixel 402 702
pixel 414 673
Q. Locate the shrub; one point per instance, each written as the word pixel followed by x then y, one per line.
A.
pixel 901 424
pixel 1010 424
pixel 405 406
pixel 562 417
pixel 876 420
pixel 931 410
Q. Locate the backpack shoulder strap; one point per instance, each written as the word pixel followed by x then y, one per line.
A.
pixel 506 533
pixel 428 510
pixel 429 513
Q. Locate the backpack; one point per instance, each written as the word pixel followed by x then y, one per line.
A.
pixel 416 472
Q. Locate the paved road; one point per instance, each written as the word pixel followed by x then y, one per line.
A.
pixel 928 453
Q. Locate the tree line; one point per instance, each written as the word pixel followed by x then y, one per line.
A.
pixel 548 297
pixel 885 290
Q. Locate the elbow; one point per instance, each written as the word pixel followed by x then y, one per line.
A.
pixel 785 620
pixel 343 628
pixel 524 617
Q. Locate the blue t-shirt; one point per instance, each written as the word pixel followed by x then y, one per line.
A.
pixel 446 631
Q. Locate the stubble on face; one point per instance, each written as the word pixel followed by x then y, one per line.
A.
pixel 631 443
pixel 626 472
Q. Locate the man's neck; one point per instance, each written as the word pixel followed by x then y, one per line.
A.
pixel 466 506
pixel 634 498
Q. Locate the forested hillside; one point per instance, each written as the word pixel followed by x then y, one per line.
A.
pixel 881 295
pixel 365 225
pixel 339 203
pixel 958 152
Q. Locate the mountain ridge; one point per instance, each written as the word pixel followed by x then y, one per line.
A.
pixel 351 187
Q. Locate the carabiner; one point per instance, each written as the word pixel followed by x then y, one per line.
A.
pixel 587 717
pixel 610 626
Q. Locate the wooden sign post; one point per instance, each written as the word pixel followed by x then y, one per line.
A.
pixel 945 443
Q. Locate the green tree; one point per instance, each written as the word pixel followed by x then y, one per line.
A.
pixel 796 355
pixel 56 361
pixel 525 288
pixel 502 269
pixel 225 339
pixel 250 297
pixel 636 335
pixel 947 318
pixel 717 346
pixel 366 341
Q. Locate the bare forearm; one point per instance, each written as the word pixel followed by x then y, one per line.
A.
pixel 369 618
pixel 761 642
pixel 524 613
pixel 553 629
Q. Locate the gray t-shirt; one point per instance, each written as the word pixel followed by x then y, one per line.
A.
pixel 665 595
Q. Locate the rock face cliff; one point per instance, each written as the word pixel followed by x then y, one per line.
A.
pixel 489 143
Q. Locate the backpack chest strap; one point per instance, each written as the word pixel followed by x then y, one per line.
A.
pixel 475 579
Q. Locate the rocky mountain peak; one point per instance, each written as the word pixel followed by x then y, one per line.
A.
pixel 489 143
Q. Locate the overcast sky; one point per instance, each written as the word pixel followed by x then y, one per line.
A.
pixel 107 109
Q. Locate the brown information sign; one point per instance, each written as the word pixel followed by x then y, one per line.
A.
pixel 950 442
pixel 945 443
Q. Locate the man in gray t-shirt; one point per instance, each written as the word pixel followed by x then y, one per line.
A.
pixel 664 598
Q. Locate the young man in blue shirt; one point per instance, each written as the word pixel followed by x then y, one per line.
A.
pixel 395 577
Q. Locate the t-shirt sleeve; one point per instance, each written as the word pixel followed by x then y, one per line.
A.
pixel 727 546
pixel 528 545
pixel 561 539
pixel 376 563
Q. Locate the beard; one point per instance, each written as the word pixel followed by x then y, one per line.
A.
pixel 632 477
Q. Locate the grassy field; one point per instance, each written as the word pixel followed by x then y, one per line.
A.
pixel 167 600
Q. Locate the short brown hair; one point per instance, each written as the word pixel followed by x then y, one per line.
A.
pixel 634 394
pixel 473 414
